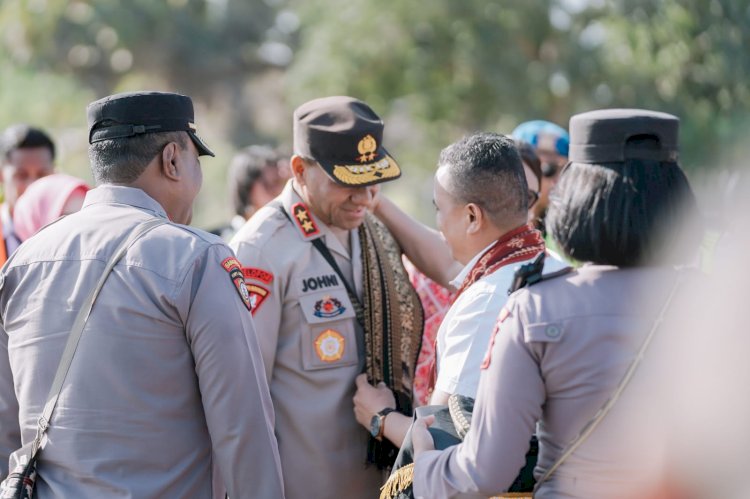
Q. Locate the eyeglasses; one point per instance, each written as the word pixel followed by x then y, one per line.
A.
pixel 533 197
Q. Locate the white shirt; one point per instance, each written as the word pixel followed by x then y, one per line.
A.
pixel 464 334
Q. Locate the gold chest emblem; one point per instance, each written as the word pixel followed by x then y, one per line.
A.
pixel 367 147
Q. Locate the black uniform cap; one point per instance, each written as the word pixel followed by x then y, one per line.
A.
pixel 136 113
pixel 602 136
pixel 345 136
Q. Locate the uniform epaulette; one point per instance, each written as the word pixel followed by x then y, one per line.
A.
pixel 552 275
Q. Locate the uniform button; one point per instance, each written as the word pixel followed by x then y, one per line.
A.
pixel 552 331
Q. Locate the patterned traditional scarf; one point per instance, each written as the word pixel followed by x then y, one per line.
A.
pixel 393 322
pixel 519 244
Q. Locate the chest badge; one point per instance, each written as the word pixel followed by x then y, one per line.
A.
pixel 328 307
pixel 329 345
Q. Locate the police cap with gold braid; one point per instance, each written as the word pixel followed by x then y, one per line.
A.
pixel 345 136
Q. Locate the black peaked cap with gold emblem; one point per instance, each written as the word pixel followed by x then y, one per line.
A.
pixel 611 136
pixel 136 113
pixel 345 136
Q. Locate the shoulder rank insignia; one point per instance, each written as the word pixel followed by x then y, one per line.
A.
pixel 329 345
pixel 304 220
pixel 257 274
pixel 258 295
pixel 328 307
pixel 232 266
pixel 488 356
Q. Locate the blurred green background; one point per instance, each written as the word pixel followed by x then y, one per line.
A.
pixel 433 70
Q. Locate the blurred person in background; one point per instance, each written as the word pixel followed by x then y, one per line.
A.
pixel 27 154
pixel 532 168
pixel 46 200
pixel 550 142
pixel 561 347
pixel 257 174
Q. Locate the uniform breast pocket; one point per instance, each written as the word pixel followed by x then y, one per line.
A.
pixel 329 340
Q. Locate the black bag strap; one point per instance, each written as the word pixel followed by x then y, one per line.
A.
pixel 80 322
pixel 319 245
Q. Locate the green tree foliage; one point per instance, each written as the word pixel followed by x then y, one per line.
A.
pixel 435 70
pixel 453 66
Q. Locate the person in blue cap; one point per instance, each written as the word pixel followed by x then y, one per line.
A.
pixel 550 142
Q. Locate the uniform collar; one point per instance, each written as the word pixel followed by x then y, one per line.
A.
pixel 308 226
pixel 120 194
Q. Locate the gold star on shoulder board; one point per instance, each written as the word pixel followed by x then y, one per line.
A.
pixel 307 226
pixel 301 215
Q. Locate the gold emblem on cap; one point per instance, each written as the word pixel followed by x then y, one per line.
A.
pixel 367 147
pixel 378 171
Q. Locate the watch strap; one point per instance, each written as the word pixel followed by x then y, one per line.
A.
pixel 382 414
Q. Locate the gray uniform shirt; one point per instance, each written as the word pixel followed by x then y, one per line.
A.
pixel 167 382
pixel 558 355
pixel 312 348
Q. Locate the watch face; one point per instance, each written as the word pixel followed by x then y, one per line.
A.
pixel 375 425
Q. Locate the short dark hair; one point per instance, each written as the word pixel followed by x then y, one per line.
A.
pixel 123 160
pixel 245 170
pixel 25 137
pixel 485 169
pixel 620 213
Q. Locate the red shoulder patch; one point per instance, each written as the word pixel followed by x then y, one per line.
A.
pixel 258 295
pixel 257 274
pixel 504 314
pixel 304 220
pixel 232 266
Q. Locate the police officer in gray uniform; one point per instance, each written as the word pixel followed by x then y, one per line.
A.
pixel 166 394
pixel 305 260
pixel 561 347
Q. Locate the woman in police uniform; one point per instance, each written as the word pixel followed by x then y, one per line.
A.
pixel 561 347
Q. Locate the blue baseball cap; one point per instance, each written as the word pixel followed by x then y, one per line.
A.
pixel 544 133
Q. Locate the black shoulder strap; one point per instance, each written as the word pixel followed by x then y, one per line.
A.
pixel 531 273
pixel 326 254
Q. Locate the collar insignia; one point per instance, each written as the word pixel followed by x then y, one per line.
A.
pixel 304 220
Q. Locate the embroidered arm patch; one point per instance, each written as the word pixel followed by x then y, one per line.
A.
pixel 257 274
pixel 232 266
pixel 258 295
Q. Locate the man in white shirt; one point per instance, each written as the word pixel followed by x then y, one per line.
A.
pixel 481 200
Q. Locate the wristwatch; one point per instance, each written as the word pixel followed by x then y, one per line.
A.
pixel 377 423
